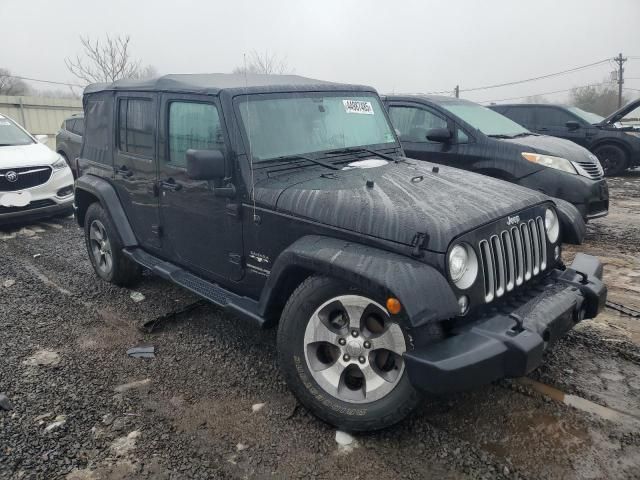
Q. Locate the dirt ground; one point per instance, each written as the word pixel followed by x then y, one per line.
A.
pixel 84 409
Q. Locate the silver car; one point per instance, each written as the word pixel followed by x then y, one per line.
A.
pixel 69 140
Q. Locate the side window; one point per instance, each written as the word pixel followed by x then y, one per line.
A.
pixel 553 117
pixel 192 125
pixel 135 126
pixel 521 115
pixel 78 128
pixel 412 123
pixel 68 125
pixel 462 137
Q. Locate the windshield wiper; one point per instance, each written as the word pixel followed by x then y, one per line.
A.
pixel 360 149
pixel 309 159
pixel 500 136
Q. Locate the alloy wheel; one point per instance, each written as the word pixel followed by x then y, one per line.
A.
pixel 100 247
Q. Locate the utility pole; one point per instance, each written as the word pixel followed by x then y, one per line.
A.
pixel 620 61
pixel 456 91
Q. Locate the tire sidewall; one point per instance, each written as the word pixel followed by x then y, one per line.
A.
pixel 620 157
pixel 96 212
pixel 350 416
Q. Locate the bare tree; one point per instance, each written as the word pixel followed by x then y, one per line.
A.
pixel 10 85
pixel 267 63
pixel 106 60
pixel 600 99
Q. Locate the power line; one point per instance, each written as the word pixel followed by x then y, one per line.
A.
pixel 44 81
pixel 545 93
pixel 541 77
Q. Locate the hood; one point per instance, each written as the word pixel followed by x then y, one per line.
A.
pixel 618 114
pixel 397 201
pixel 558 147
pixel 34 154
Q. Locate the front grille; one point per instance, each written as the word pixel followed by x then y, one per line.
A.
pixel 592 169
pixel 25 177
pixel 31 206
pixel 513 257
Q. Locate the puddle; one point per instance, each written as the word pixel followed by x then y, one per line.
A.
pixel 611 414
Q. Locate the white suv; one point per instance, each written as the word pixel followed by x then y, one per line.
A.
pixel 35 182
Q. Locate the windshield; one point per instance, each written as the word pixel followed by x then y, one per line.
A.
pixel 313 122
pixel 586 116
pixel 11 134
pixel 486 120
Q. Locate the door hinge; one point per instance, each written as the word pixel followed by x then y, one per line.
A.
pixel 236 258
pixel 418 243
pixel 156 230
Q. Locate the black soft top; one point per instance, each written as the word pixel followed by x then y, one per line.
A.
pixel 230 83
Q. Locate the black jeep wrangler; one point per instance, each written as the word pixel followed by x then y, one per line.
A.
pixel 288 201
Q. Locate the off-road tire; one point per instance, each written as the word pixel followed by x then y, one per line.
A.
pixel 613 159
pixel 348 416
pixel 124 272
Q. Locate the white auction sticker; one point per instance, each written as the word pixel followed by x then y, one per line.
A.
pixel 15 199
pixel 358 106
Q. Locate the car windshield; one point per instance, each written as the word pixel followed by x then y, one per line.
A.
pixel 11 134
pixel 305 123
pixel 586 116
pixel 489 122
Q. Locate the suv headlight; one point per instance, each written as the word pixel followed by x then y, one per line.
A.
pixel 558 163
pixel 59 164
pixel 552 225
pixel 463 265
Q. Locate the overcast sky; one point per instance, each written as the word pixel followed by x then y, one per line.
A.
pixel 393 45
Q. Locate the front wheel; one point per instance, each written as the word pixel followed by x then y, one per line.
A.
pixel 340 352
pixel 613 159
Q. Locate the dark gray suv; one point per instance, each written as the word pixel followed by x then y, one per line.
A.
pixel 69 140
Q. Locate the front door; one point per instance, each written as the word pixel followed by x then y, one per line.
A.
pixel 552 121
pixel 135 164
pixel 199 229
pixel 412 122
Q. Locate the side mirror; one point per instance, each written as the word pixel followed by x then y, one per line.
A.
pixel 42 138
pixel 205 164
pixel 440 135
pixel 572 125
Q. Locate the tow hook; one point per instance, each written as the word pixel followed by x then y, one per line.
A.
pixel 519 326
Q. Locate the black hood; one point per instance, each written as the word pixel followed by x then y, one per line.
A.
pixel 396 201
pixel 618 114
pixel 558 147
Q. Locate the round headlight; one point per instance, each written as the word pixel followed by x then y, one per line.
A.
pixel 463 265
pixel 552 225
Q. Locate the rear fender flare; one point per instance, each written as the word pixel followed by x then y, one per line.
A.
pixel 423 291
pixel 89 187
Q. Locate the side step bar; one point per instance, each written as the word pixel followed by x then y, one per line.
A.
pixel 242 306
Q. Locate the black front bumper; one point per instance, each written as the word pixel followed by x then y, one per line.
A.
pixel 510 341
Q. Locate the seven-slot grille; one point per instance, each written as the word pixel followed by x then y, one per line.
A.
pixel 593 169
pixel 513 257
pixel 25 177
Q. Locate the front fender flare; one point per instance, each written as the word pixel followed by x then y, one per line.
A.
pixel 573 227
pixel 423 291
pixel 106 194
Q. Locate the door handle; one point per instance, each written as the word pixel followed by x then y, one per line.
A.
pixel 124 171
pixel 171 184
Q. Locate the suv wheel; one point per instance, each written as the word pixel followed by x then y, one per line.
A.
pixel 613 159
pixel 105 249
pixel 341 354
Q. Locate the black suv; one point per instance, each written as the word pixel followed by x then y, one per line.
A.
pixel 288 201
pixel 466 135
pixel 613 140
pixel 69 140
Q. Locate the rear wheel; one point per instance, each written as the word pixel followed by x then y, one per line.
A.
pixel 105 249
pixel 341 353
pixel 613 159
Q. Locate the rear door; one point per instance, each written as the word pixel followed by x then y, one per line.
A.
pixel 200 231
pixel 521 115
pixel 412 121
pixel 77 131
pixel 134 164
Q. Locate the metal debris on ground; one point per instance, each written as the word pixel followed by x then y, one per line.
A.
pixel 632 312
pixel 142 352
pixel 151 325
pixel 8 283
pixel 5 403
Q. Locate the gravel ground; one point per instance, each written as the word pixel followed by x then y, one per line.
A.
pixel 84 409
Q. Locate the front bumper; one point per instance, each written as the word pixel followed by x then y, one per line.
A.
pixel 45 201
pixel 510 340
